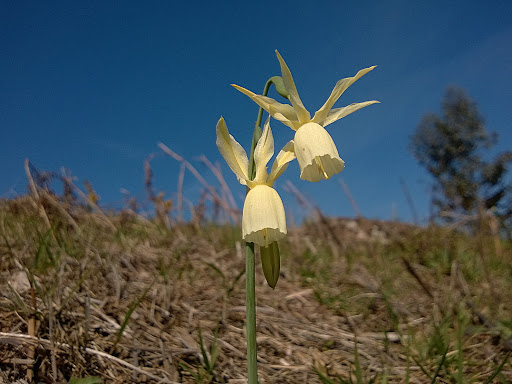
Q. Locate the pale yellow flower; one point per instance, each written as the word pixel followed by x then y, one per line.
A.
pixel 263 220
pixel 315 150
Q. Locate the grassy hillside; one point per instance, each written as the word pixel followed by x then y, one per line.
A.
pixel 119 298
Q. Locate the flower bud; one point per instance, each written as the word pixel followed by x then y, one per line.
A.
pixel 271 263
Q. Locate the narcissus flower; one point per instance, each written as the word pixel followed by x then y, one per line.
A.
pixel 315 150
pixel 263 220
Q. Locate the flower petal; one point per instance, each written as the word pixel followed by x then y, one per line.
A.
pixel 286 155
pixel 263 153
pixel 282 112
pixel 263 220
pixel 232 151
pixel 283 119
pixel 338 113
pixel 340 87
pixel 293 96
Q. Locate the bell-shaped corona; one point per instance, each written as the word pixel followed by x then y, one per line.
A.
pixel 316 153
pixel 263 219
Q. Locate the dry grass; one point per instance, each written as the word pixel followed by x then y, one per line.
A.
pixel 127 299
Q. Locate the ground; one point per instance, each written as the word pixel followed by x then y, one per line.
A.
pixel 115 297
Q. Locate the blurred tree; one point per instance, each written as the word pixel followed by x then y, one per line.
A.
pixel 454 148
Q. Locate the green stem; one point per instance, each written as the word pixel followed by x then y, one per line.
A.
pixel 250 307
pixel 265 93
pixel 257 132
pixel 250 274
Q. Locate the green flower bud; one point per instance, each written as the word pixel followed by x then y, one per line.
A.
pixel 271 263
pixel 279 84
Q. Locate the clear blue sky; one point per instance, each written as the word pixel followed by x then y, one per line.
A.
pixel 94 86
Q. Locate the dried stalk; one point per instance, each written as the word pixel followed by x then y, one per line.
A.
pixel 218 174
pixel 32 341
pixel 211 190
pixel 181 177
pixel 35 195
pixel 350 198
pixel 91 203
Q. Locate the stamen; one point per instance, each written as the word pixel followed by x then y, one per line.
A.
pixel 321 167
pixel 265 236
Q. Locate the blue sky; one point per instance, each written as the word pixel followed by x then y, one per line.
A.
pixel 94 86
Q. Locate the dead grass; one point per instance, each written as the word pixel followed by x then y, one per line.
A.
pixel 126 299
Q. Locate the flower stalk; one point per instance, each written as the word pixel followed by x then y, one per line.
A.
pixel 263 219
pixel 250 314
pixel 250 273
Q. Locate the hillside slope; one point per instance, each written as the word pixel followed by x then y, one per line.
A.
pixel 125 299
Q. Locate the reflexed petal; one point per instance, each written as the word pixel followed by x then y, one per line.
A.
pixel 292 123
pixel 316 153
pixel 340 87
pixel 263 220
pixel 232 151
pixel 263 153
pixel 338 113
pixel 270 105
pixel 286 155
pixel 294 98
